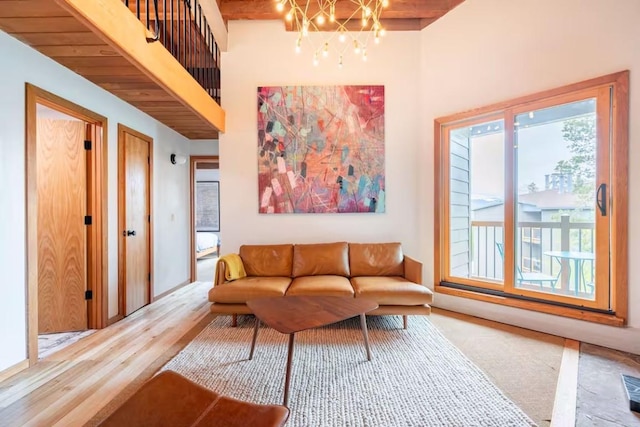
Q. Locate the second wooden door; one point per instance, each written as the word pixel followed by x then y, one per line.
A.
pixel 135 217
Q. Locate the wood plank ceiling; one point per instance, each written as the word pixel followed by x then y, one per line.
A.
pixel 53 31
pixel 400 15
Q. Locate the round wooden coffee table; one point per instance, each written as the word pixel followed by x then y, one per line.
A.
pixel 289 315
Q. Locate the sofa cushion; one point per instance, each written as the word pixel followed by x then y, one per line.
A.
pixel 391 290
pixel 321 258
pixel 328 286
pixel 241 290
pixel 376 259
pixel 267 260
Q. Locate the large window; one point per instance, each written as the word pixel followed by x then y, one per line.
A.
pixel 531 202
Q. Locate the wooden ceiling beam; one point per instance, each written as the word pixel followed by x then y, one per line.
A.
pixel 388 24
pixel 398 9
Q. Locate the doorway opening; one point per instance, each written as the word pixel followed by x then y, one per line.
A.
pixel 205 216
pixel 66 217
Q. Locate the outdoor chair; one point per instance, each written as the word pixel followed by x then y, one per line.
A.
pixel 531 277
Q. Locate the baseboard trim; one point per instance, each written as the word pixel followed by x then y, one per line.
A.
pixel 564 406
pixel 164 294
pixel 12 370
pixel 114 319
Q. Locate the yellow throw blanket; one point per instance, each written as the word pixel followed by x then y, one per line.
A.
pixel 234 268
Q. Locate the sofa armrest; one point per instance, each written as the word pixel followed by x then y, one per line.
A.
pixel 412 270
pixel 219 278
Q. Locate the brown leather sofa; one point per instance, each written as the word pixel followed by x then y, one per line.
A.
pixel 378 271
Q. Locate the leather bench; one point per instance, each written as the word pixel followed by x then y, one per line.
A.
pixel 171 400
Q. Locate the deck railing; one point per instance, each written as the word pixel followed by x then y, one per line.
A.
pixel 184 31
pixel 533 240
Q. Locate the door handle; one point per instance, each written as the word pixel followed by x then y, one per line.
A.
pixel 128 233
pixel 601 199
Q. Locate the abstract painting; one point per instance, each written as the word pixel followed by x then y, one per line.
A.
pixel 321 149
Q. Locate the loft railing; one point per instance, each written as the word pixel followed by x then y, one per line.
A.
pixel 184 31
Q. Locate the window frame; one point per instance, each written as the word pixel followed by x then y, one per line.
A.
pixel 618 84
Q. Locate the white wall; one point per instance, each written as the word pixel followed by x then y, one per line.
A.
pixel 171 185
pixel 486 51
pixel 261 53
pixel 203 147
pixel 207 175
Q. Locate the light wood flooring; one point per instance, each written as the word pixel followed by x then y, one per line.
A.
pixel 71 386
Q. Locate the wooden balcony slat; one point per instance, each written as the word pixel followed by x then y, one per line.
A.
pixel 28 9
pixel 105 61
pixel 59 39
pixel 75 51
pixel 37 25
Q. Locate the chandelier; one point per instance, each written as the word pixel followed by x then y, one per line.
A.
pixel 356 26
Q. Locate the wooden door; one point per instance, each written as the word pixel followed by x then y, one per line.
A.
pixel 135 219
pixel 61 230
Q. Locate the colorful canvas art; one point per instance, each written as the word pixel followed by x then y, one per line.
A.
pixel 321 149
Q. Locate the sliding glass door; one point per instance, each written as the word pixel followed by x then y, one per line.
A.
pixel 526 194
pixel 561 177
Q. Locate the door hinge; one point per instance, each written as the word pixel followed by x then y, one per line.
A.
pixel 88 295
pixel 87 144
pixel 87 220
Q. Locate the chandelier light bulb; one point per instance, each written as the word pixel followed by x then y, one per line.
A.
pixel 342 37
pixel 298 45
pixel 367 12
pixel 315 59
pixel 320 19
pixel 356 47
pixel 280 7
pixel 382 32
pixel 340 62
pixel 332 18
pixel 325 50
pixel 289 16
pixel 364 55
pixel 385 3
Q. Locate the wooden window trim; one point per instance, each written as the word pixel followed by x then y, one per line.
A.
pixel 619 201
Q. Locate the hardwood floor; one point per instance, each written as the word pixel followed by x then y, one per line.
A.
pixel 69 387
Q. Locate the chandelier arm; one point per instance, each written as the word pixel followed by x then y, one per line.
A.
pixel 368 12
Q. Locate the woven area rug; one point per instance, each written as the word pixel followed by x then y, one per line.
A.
pixel 416 376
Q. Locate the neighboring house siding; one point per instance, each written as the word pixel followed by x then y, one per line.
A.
pixel 460 201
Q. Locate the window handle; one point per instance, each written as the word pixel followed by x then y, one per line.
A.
pixel 601 199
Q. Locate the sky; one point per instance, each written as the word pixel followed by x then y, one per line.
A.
pixel 539 150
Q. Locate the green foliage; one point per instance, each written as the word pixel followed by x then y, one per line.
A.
pixel 532 187
pixel 580 135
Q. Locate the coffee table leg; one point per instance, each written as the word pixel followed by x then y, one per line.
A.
pixel 363 323
pixel 255 335
pixel 288 375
